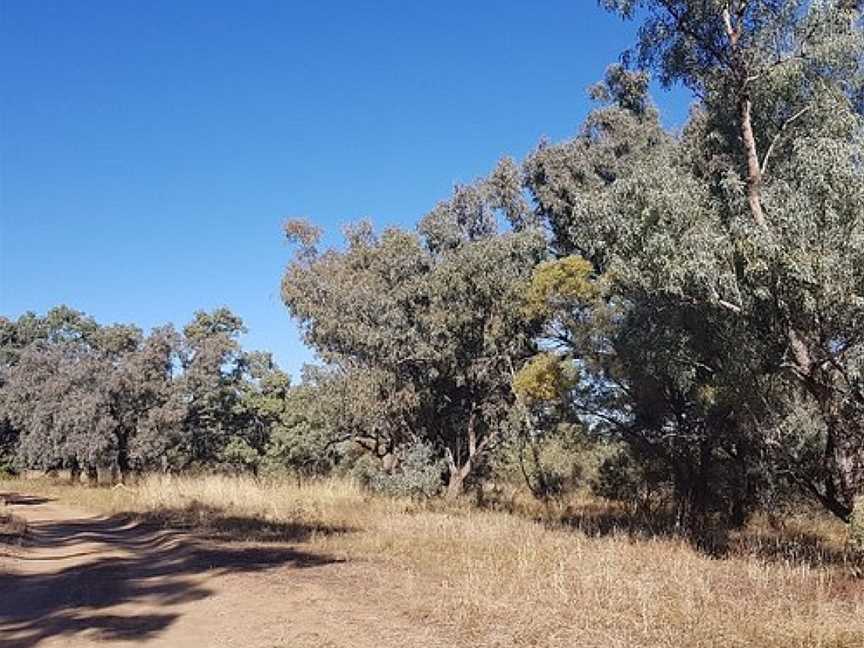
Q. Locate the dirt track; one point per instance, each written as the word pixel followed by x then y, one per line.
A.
pixel 82 580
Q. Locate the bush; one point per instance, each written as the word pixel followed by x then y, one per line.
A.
pixel 417 473
pixel 302 449
pixel 620 477
pixel 557 464
pixel 239 455
pixel 364 469
pixel 7 458
pixel 856 530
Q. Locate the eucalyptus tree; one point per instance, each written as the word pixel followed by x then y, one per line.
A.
pixel 781 84
pixel 213 372
pixel 427 325
pixel 55 397
pixel 320 418
pixel 736 248
pixel 147 400
pixel 261 405
pixel 632 233
pixel 43 352
pixel 78 395
pixel 8 354
pixel 84 396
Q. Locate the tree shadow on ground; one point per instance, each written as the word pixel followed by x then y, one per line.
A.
pixel 714 540
pixel 215 523
pixel 793 548
pixel 130 562
pixel 16 499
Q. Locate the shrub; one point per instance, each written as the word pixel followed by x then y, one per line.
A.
pixel 559 463
pixel 856 531
pixel 620 477
pixel 239 455
pixel 417 473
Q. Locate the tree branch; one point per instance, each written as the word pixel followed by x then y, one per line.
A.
pixel 779 134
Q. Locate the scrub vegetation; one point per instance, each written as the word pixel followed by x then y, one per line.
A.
pixel 576 573
pixel 610 394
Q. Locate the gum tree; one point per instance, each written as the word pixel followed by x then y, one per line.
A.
pixel 84 396
pixel 427 323
pixel 750 220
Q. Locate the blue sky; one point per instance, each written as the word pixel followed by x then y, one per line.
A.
pixel 150 150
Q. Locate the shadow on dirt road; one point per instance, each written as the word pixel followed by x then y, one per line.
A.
pixel 113 579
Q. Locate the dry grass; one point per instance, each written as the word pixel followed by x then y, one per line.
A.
pixel 500 579
pixel 12 527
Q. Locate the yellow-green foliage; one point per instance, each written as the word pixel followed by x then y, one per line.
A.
pixel 856 532
pixel 544 378
pixel 567 279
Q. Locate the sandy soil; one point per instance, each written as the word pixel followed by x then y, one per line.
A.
pixel 82 580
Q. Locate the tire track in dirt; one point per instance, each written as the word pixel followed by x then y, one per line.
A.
pixel 83 580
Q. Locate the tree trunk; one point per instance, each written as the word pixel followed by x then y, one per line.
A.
pixel 733 24
pixel 456 482
pixel 123 467
pixel 75 473
pixel 458 474
pixel 844 463
pixel 691 492
pixel 754 171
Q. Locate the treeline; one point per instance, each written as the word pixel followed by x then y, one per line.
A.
pixel 80 396
pixel 694 298
pixel 684 307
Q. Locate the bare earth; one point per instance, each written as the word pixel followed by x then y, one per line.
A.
pixel 82 580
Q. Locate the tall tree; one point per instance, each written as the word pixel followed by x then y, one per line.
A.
pixel 781 81
pixel 85 397
pixel 78 395
pixel 428 324
pixel 751 220
pixel 212 376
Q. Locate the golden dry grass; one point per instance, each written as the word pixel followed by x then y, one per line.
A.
pixel 501 579
pixel 12 527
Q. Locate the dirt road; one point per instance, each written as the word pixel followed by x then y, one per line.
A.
pixel 82 580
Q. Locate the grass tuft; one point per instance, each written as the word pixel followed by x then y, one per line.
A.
pixel 12 527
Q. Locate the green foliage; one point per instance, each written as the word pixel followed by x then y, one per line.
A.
pixel 306 439
pixel 420 330
pixel 544 378
pixel 417 473
pixel 856 530
pixel 561 462
pixel 560 280
pixel 623 477
pixel 240 455
pixel 79 395
pixel 732 254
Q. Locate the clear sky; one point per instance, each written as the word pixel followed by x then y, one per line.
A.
pixel 150 150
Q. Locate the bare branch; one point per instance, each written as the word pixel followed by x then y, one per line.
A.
pixel 779 134
pixel 729 306
pixel 731 32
